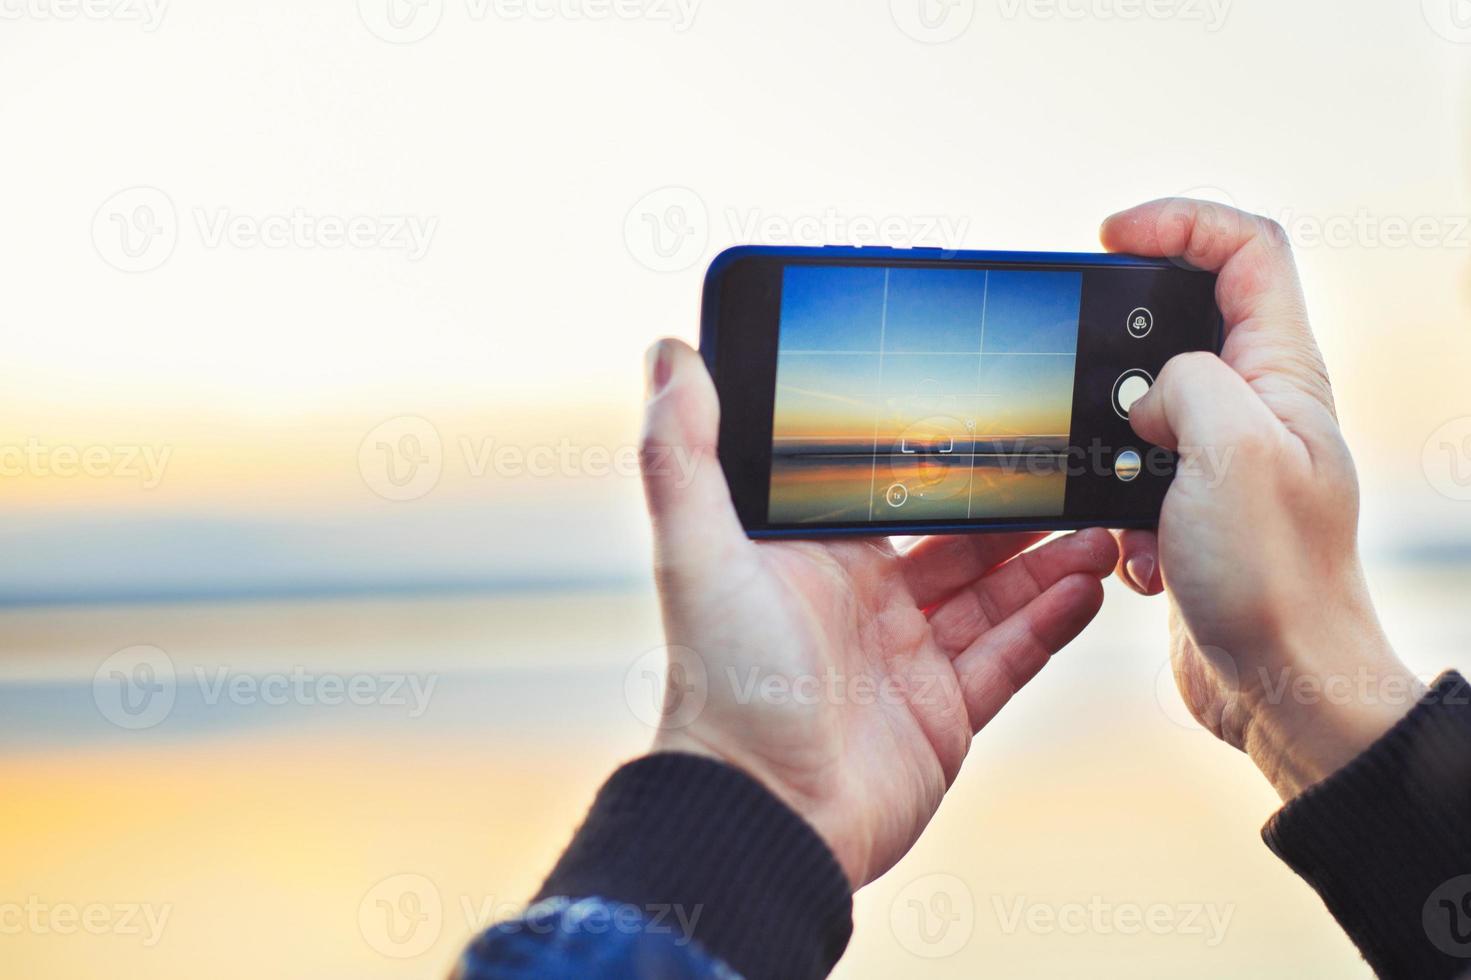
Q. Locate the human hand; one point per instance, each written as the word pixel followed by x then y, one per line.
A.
pixel 883 663
pixel 1275 644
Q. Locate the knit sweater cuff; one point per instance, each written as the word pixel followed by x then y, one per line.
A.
pixel 1386 841
pixel 705 845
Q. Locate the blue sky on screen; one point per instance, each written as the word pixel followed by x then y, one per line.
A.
pixel 837 308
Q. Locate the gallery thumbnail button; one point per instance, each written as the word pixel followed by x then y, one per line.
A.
pixel 1126 465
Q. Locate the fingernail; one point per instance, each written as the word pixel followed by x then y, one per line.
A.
pixel 1140 570
pixel 658 365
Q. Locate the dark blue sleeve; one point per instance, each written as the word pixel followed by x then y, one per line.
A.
pixel 1386 841
pixel 684 867
pixel 562 939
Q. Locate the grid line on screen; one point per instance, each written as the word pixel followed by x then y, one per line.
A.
pixel 970 486
pixel 883 328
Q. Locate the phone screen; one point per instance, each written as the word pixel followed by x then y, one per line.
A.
pixel 951 393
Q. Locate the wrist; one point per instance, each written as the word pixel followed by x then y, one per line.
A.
pixel 850 856
pixel 1326 705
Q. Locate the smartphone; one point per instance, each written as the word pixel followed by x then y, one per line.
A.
pixel 876 391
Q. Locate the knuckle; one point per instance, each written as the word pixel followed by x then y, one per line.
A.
pixel 1216 233
pixel 652 443
pixel 1272 236
pixel 1272 230
pixel 1256 443
pixel 1186 367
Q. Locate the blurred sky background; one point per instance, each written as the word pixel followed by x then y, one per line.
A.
pixel 329 415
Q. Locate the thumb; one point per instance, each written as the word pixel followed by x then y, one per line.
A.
pixel 695 525
pixel 1199 403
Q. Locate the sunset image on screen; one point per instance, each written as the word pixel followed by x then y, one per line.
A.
pixel 914 394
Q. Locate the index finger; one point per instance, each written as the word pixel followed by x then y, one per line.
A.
pixel 1258 277
pixel 1268 339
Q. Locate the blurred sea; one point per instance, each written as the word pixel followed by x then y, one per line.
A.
pixel 272 831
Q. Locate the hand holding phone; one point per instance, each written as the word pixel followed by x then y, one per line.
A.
pixel 1260 556
pixel 845 676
